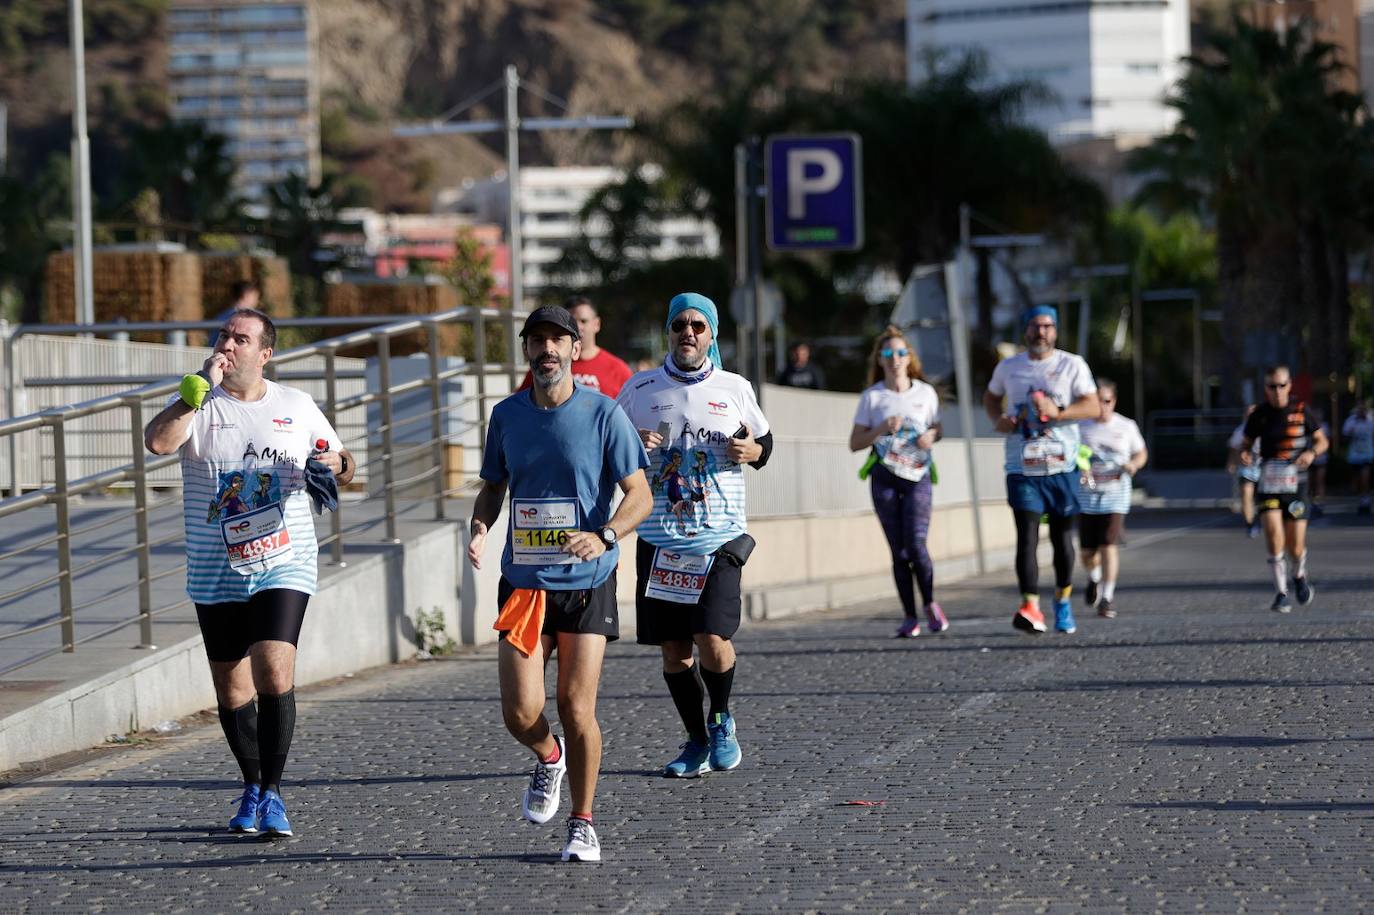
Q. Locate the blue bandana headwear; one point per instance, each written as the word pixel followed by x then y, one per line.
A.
pixel 1036 311
pixel 695 301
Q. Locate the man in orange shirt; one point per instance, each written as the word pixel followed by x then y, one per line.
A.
pixel 597 368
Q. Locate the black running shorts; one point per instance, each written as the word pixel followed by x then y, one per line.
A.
pixel 587 612
pixel 716 613
pixel 231 628
pixel 1292 504
pixel 1096 531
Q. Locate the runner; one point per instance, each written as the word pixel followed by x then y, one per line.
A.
pixel 560 450
pixel 801 372
pixel 898 418
pixel 251 554
pixel 1247 475
pixel 1047 391
pixel 1289 440
pixel 1118 453
pixel 692 413
pixel 597 368
pixel 1358 430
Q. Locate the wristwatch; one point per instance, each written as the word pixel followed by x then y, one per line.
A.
pixel 607 535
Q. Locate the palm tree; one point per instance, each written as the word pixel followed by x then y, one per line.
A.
pixel 190 169
pixel 1278 158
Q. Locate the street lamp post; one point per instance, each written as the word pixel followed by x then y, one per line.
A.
pixel 81 174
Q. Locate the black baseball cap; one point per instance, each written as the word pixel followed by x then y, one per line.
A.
pixel 556 315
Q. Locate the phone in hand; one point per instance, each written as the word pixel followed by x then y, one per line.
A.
pixel 663 430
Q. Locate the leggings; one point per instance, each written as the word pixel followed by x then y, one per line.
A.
pixel 903 509
pixel 1028 539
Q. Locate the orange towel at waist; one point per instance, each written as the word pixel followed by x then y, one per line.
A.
pixel 522 619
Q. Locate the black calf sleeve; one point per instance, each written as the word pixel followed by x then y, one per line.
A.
pixel 1061 538
pixel 277 724
pixel 719 686
pixel 1027 540
pixel 685 689
pixel 241 730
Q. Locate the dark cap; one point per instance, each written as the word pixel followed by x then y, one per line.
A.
pixel 552 314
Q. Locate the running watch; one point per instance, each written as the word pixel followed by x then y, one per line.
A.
pixel 607 535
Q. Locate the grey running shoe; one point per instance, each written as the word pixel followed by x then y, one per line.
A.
pixel 1104 609
pixel 546 787
pixel 582 842
pixel 1281 603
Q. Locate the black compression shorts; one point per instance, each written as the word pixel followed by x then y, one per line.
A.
pixel 716 613
pixel 231 628
pixel 1292 504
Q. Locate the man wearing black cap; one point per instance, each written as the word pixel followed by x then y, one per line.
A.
pixel 560 450
pixel 1047 391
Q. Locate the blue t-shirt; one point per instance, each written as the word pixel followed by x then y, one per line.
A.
pixel 562 467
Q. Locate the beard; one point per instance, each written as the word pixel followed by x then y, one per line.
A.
pixel 1040 347
pixel 548 377
pixel 690 362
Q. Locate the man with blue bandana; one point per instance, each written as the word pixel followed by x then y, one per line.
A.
pixel 701 425
pixel 1036 399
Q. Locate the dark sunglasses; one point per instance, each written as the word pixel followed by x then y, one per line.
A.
pixel 1274 386
pixel 681 324
pixel 889 352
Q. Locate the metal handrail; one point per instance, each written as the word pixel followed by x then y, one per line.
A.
pixel 55 421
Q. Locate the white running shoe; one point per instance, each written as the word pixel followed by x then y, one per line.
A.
pixel 546 787
pixel 582 842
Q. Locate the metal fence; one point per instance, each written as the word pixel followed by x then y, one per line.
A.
pixel 38 555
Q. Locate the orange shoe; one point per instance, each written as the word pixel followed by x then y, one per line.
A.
pixel 1029 618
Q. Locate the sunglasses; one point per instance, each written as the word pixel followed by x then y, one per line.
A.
pixel 889 352
pixel 1274 386
pixel 681 324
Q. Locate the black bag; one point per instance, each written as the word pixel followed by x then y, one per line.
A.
pixel 737 551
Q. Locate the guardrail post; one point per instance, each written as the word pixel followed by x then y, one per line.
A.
pixel 64 528
pixel 10 404
pixel 145 584
pixel 479 357
pixel 331 379
pixel 436 420
pixel 388 474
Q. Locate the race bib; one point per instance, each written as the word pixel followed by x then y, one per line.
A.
pixel 1278 477
pixel 1043 457
pixel 1106 471
pixel 257 540
pixel 540 531
pixel 905 459
pixel 677 577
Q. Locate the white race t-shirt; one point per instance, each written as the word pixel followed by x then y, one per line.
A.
pixel 1112 444
pixel 919 408
pixel 698 494
pixel 1038 449
pixel 247 514
pixel 1359 432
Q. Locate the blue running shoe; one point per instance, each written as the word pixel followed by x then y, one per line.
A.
pixel 1063 616
pixel 272 815
pixel 694 760
pixel 246 820
pixel 725 752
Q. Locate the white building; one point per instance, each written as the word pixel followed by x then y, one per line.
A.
pixel 1109 63
pixel 551 201
pixel 246 69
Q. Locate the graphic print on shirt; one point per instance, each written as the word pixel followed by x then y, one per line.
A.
pixel 247 506
pixel 1043 452
pixel 688 489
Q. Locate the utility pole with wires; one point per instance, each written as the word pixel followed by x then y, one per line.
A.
pixel 511 125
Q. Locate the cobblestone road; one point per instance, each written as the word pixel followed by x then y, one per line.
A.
pixel 1197 752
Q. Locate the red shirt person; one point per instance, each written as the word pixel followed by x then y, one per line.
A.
pixel 597 368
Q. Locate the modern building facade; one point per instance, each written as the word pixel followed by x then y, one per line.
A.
pixel 248 70
pixel 1108 63
pixel 551 201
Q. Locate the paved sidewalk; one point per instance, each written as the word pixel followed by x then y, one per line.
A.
pixel 1197 752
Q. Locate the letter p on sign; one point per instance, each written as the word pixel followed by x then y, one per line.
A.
pixel 822 177
pixel 815 192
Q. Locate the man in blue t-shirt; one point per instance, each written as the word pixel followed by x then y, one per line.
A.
pixel 560 450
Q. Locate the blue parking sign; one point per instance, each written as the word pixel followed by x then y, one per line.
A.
pixel 815 192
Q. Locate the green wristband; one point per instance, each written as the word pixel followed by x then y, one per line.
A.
pixel 193 390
